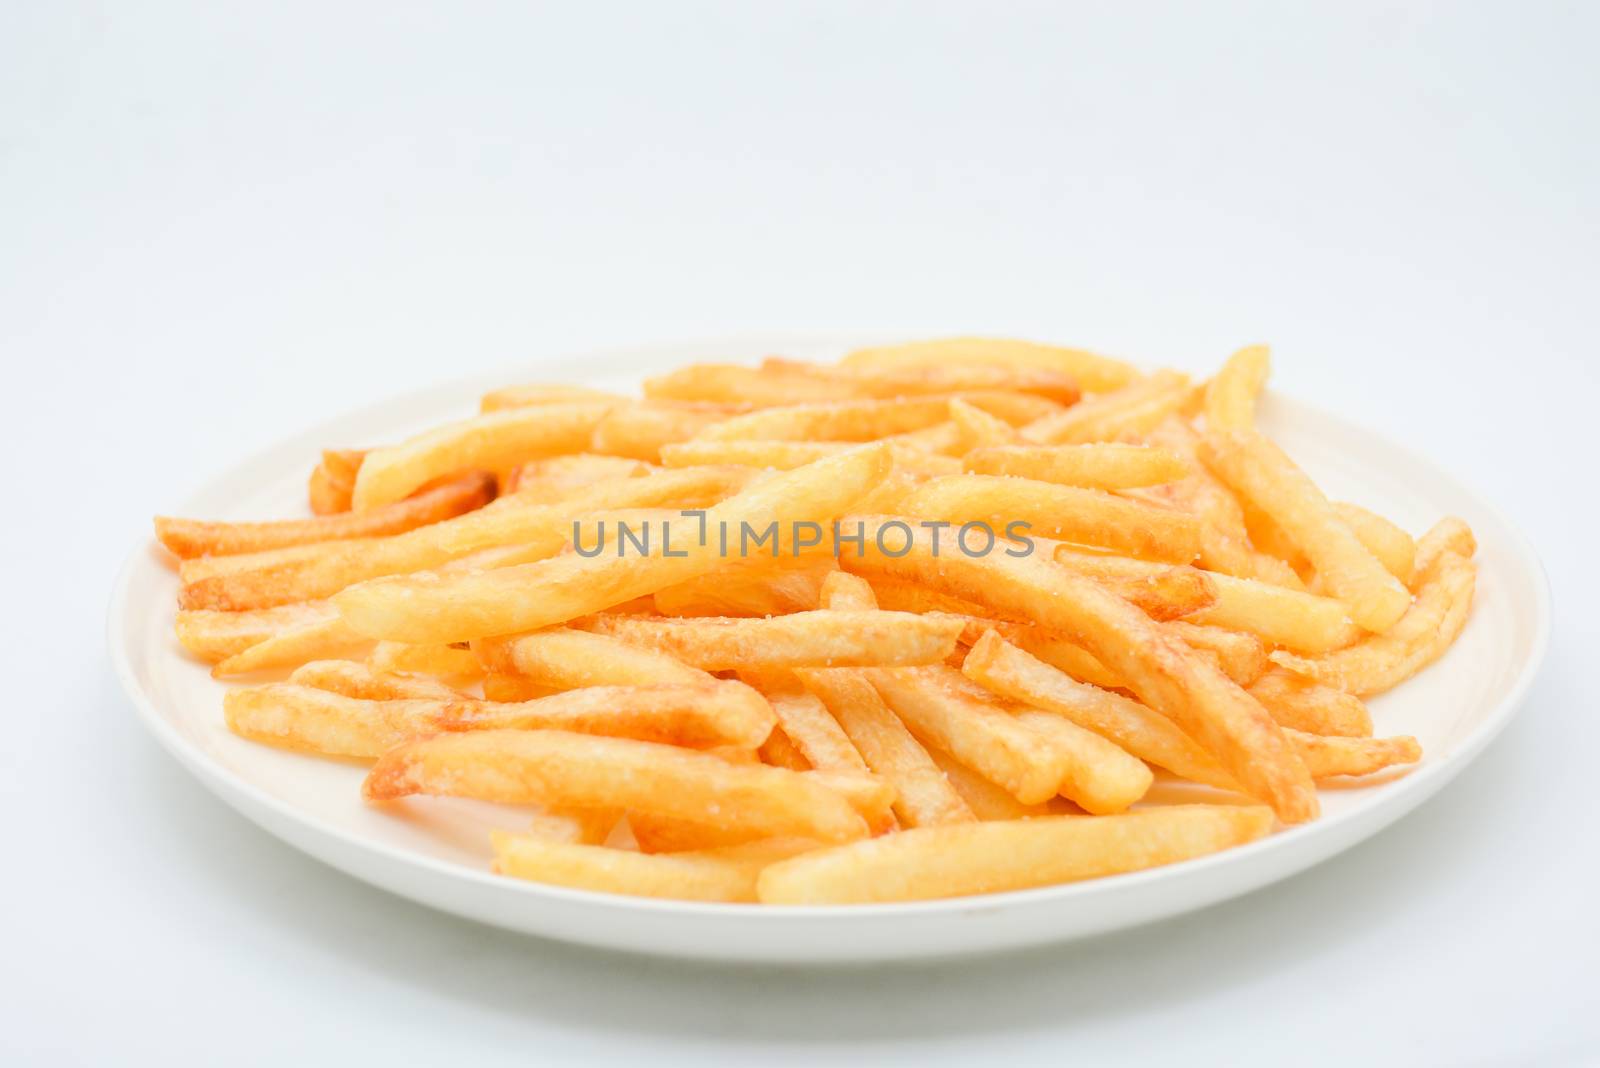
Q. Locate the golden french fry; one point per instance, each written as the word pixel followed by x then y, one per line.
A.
pixel 492 442
pixel 912 381
pixel 1393 547
pixel 1242 657
pixel 712 875
pixel 978 428
pixel 574 826
pixel 559 477
pixel 1259 470
pixel 1132 409
pixel 1014 507
pixel 1335 757
pixel 1089 370
pixel 982 798
pixel 315 639
pixel 399 658
pixel 780 752
pixel 333 479
pixel 806 722
pixel 979 858
pixel 1100 777
pixel 803 639
pixel 639 431
pixel 841 421
pixel 1448 535
pixel 327 723
pixel 565 659
pixel 1383 661
pixel 1230 397
pixel 424 608
pixel 1009 671
pixel 522 767
pixel 194 537
pixel 1104 466
pixel 1164 672
pixel 540 394
pixel 198 568
pixel 759 387
pixel 512 688
pixel 533 529
pixel 1310 706
pixel 215 636
pixel 755 586
pixel 353 679
pixel 1301 621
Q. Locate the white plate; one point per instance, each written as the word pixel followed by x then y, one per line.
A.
pixel 435 851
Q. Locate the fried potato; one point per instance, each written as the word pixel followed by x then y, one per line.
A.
pixel 758 387
pixel 399 658
pixel 947 378
pixel 1132 409
pixel 1333 757
pixel 980 858
pixel 1310 706
pixel 978 428
pixel 803 639
pixel 1068 513
pixel 1164 672
pixel 751 587
pixel 193 537
pixel 333 479
pixel 982 798
pixel 1242 657
pixel 556 478
pixel 640 431
pixel 215 636
pixel 565 659
pixel 1259 470
pixel 1382 661
pixel 712 875
pixel 532 396
pixel 435 608
pixel 559 767
pixel 495 441
pixel 1393 547
pixel 1103 466
pixel 1091 371
pixel 842 421
pixel 315 639
pixel 1100 777
pixel 353 679
pixel 1230 397
pixel 574 826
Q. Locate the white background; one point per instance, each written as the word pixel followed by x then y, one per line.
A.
pixel 219 224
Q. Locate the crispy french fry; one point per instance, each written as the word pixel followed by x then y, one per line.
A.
pixel 1301 621
pixel 399 658
pixel 803 639
pixel 1336 757
pixel 1259 470
pixel 754 586
pixel 194 537
pixel 841 421
pixel 1242 657
pixel 1100 777
pixel 1393 547
pixel 1383 661
pixel 1046 509
pixel 806 723
pixel 779 752
pixel 333 479
pixel 1165 673
pixel 540 394
pixel 492 442
pixel 639 431
pixel 978 858
pixel 947 378
pixel 459 608
pixel 353 679
pixel 760 387
pixel 512 688
pixel 521 767
pixel 574 826
pixel 1089 370
pixel 1230 397
pixel 319 639
pixel 215 636
pixel 1310 706
pixel 1448 535
pixel 565 659
pixel 558 477
pixel 1011 672
pixel 979 428
pixel 534 530
pixel 715 875
pixel 1104 466
pixel 1134 408
pixel 982 798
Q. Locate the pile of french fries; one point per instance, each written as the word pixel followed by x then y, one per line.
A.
pixel 1080 620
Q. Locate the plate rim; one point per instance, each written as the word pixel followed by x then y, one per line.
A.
pixel 1403 794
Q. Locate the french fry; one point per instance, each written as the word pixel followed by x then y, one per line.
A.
pixel 978 428
pixel 639 431
pixel 333 479
pixel 1133 409
pixel 540 394
pixel 215 636
pixel 1011 672
pixel 1091 371
pixel 1230 397
pixel 558 477
pixel 947 378
pixel 708 876
pixel 759 387
pixel 1310 706
pixel 841 421
pixel 1335 757
pixel 751 587
pixel 1448 535
pixel 574 826
pixel 1242 657
pixel 979 858
pixel 1104 466
pixel 1068 513
pixel 779 752
pixel 1301 621
pixel 1165 673
pixel 803 639
pixel 1393 547
pixel 399 658
pixel 806 722
pixel 193 537
pixel 545 766
pixel 565 659
pixel 982 798
pixel 353 679
pixel 978 732
pixel 512 688
pixel 319 639
pixel 1259 470
pixel 330 724
pixel 1100 777
pixel 198 568
pixel 535 530
pixel 426 608
pixel 492 442
pixel 1383 661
